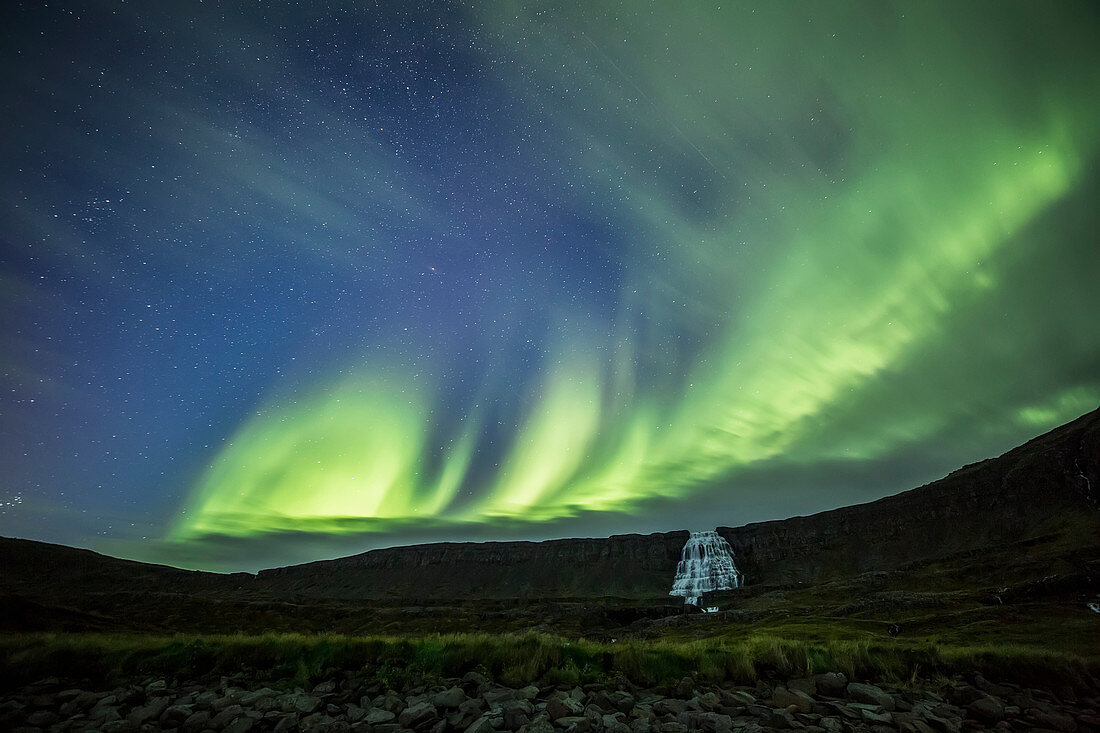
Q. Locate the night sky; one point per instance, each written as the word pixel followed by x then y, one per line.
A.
pixel 281 283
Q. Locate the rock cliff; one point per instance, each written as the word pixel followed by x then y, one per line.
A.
pixel 1042 491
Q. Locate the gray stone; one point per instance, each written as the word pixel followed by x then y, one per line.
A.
pixel 870 716
pixel 481 725
pixel 563 707
pixel 157 689
pixel 324 688
pixel 224 702
pixel 248 699
pixel 539 725
pixel 780 719
pixel 299 702
pixel 783 698
pixel 527 693
pixel 738 697
pixel 152 711
pixel 43 718
pixel 1053 719
pixel 226 716
pixel 498 695
pixel 803 685
pixel 286 722
pixel 120 726
pixel 240 725
pixel 707 722
pixel 378 716
pixel 177 713
pixel 515 717
pixel 450 698
pixel 685 687
pixel 197 722
pixel 356 713
pixel 987 709
pixel 870 694
pixel 830 683
pixel 417 716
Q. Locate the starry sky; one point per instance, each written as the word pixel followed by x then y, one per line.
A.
pixel 286 282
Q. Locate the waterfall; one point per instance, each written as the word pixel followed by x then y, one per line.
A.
pixel 706 564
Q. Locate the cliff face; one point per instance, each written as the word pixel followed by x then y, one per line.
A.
pixel 1035 506
pixel 1046 487
pixel 627 566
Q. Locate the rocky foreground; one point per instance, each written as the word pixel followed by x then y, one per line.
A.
pixel 823 703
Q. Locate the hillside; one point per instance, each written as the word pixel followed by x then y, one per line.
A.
pixel 1009 524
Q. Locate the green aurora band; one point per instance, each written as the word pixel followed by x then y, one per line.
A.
pixel 875 182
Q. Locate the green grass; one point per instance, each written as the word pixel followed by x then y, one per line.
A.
pixel 519 659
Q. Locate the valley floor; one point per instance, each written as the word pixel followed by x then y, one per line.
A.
pixel 534 684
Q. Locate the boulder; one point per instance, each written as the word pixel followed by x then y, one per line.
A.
pixel 871 695
pixel 481 725
pixel 378 716
pixel 421 715
pixel 450 698
pixel 783 698
pixel 830 683
pixel 987 709
pixel 563 707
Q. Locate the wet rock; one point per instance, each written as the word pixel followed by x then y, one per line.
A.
pixel 685 687
pixel 870 694
pixel 152 711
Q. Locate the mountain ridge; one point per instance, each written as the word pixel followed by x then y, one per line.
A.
pixel 1001 521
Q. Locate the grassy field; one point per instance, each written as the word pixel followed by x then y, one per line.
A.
pixel 522 659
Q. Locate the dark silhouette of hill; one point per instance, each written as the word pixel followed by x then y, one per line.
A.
pixel 1002 526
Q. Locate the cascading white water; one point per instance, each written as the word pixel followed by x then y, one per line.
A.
pixel 706 564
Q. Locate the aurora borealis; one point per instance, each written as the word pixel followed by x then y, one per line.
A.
pixel 282 283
